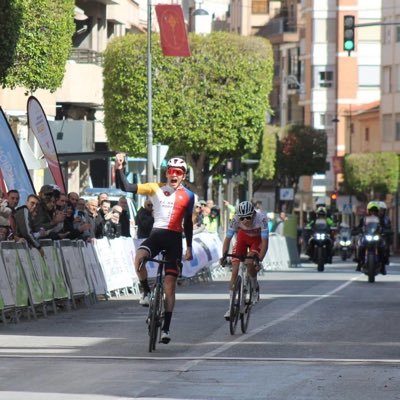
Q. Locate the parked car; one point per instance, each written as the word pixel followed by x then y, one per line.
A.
pixel 113 196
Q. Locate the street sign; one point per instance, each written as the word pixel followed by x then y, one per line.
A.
pixel 347 209
pixel 163 149
pixel 286 194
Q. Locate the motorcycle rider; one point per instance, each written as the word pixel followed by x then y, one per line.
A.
pixel 321 213
pixel 372 211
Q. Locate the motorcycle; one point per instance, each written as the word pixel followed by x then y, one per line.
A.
pixel 345 247
pixel 320 244
pixel 372 241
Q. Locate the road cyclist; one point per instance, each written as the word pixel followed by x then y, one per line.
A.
pixel 172 208
pixel 251 230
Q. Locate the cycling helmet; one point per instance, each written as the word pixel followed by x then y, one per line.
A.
pixel 245 209
pixel 373 206
pixel 382 205
pixel 177 162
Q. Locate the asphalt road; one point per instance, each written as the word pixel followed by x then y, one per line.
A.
pixel 314 335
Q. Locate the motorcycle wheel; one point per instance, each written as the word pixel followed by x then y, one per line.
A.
pixel 320 259
pixel 371 267
pixel 344 255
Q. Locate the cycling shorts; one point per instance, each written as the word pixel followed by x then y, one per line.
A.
pixel 245 243
pixel 171 242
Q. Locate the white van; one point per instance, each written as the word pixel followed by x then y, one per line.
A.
pixel 113 196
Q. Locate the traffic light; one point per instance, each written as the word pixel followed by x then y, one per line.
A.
pixel 333 201
pixel 349 33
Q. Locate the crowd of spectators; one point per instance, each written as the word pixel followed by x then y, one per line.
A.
pixel 55 215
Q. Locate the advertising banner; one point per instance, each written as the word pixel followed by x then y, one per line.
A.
pixel 37 122
pixel 13 168
pixel 173 35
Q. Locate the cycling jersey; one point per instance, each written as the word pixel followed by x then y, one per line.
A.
pixel 169 205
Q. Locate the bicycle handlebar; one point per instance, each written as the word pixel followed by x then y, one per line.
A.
pixel 241 258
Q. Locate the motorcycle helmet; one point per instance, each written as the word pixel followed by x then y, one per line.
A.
pixel 382 205
pixel 373 206
pixel 321 211
pixel 177 162
pixel 245 209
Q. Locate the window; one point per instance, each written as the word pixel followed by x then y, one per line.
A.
pixel 259 7
pixel 397 33
pixel 387 129
pixel 387 79
pixel 366 134
pixel 325 78
pixel 368 76
pixel 397 137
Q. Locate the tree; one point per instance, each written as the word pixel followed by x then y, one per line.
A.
pixel 301 151
pixel 35 41
pixel 208 107
pixel 371 174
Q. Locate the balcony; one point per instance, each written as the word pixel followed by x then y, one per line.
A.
pixel 71 136
pixel 86 56
pixel 281 30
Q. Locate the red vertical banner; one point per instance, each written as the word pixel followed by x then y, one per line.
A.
pixel 173 35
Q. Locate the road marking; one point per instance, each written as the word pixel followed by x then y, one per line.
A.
pixel 283 318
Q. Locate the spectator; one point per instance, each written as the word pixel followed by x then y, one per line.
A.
pixel 43 217
pixel 102 211
pixel 211 221
pixel 73 198
pixel 280 223
pixel 210 203
pixel 124 217
pixel 231 209
pixel 258 205
pixel 102 196
pixel 197 216
pixel 74 225
pixel 95 228
pixel 7 210
pixel 112 227
pixel 24 223
pixel 145 220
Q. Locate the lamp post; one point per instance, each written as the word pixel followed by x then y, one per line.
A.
pixel 149 169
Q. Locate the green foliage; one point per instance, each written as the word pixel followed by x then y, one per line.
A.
pixel 266 167
pixel 301 151
pixel 209 107
pixel 372 173
pixel 35 41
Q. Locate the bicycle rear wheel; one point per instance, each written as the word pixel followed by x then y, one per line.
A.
pixel 155 316
pixel 235 306
pixel 246 305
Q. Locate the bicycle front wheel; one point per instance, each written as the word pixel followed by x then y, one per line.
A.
pixel 155 316
pixel 246 305
pixel 235 305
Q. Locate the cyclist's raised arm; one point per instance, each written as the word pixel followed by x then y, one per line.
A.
pixel 120 176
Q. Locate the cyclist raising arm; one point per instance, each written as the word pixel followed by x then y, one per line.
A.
pixel 251 229
pixel 172 207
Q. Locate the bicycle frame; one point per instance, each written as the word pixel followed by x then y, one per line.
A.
pixel 155 316
pixel 241 302
pixel 156 307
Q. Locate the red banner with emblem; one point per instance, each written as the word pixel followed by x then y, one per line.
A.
pixel 173 35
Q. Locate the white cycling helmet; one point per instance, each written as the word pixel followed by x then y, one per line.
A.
pixel 177 162
pixel 382 205
pixel 245 209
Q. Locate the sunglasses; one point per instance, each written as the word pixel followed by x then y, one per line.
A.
pixel 175 171
pixel 246 218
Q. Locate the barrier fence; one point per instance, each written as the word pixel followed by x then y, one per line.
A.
pixel 75 272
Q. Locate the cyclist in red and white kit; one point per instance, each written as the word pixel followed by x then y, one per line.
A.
pixel 251 229
pixel 172 208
